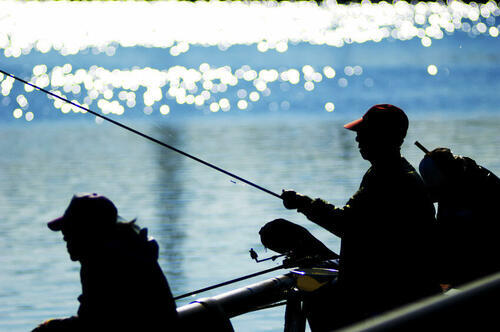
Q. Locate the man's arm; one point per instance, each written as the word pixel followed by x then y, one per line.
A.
pixel 319 211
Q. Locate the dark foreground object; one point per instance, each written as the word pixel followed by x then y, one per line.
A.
pixel 472 308
pixel 213 314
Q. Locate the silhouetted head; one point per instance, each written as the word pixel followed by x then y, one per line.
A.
pixel 380 132
pixel 89 217
pixel 441 171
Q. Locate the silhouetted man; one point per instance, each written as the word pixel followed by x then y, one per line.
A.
pixel 468 218
pixel 123 287
pixel 386 229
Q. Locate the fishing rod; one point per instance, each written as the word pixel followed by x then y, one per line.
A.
pixel 119 124
pixel 421 147
pixel 282 266
pixel 288 263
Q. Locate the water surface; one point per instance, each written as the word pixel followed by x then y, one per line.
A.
pixel 268 107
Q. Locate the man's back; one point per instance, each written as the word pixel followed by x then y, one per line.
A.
pixel 386 254
pixel 469 223
pixel 123 286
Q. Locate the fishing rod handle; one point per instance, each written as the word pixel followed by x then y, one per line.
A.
pixel 421 147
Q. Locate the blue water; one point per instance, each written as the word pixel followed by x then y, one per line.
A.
pixel 204 222
pixel 393 71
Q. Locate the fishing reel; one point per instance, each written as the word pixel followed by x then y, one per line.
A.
pixel 299 247
pixel 255 256
pixel 292 260
pixel 310 272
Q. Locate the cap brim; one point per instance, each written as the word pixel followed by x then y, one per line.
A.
pixel 354 125
pixel 56 224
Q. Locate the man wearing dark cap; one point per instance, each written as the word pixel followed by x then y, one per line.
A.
pixel 468 218
pixel 386 229
pixel 123 287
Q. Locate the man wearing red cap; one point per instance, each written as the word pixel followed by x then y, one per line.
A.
pixel 123 287
pixel 386 229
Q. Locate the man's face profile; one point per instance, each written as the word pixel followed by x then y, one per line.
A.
pixel 74 238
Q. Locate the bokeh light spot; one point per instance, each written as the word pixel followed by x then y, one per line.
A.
pixel 214 107
pixel 17 113
pixel 432 70
pixel 254 96
pixel 426 42
pixel 493 31
pixel 164 109
pixel 242 104
pixel 29 116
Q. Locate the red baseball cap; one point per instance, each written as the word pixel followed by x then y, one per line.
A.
pixel 383 116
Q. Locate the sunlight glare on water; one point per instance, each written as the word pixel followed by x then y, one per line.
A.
pixel 102 27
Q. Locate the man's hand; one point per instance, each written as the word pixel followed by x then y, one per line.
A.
pixel 293 200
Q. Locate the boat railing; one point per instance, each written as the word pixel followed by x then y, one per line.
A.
pixel 471 307
pixel 214 313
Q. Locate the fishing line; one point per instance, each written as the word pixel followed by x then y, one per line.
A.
pixel 143 135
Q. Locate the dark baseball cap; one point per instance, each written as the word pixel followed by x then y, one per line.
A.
pixel 88 208
pixel 382 116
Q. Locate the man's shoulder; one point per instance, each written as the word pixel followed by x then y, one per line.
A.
pixel 409 173
pixel 404 171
